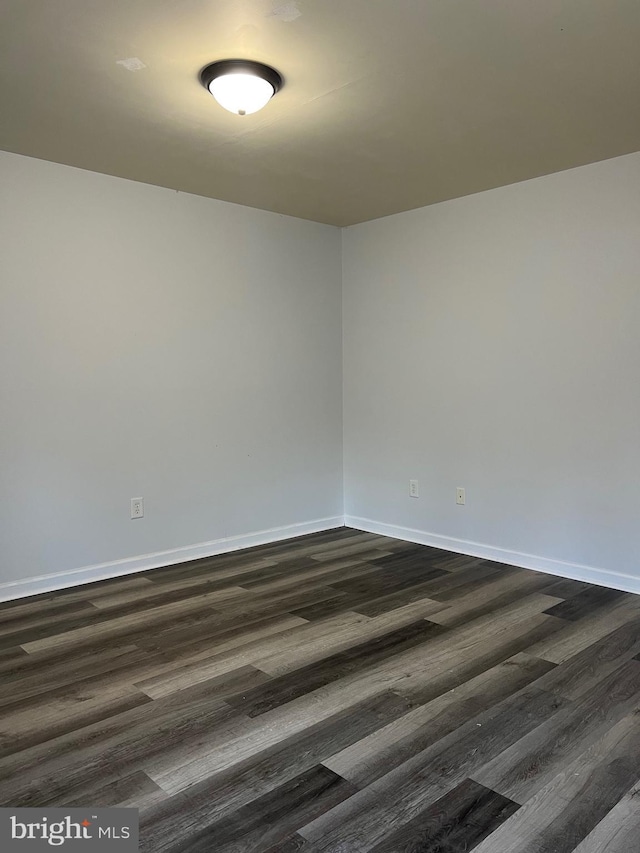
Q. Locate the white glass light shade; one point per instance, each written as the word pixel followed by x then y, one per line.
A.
pixel 241 93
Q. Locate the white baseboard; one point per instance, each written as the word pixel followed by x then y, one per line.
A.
pixel 131 565
pixel 574 571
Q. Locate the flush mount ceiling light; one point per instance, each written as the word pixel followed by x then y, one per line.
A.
pixel 240 85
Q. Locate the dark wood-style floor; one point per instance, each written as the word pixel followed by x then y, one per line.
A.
pixel 337 692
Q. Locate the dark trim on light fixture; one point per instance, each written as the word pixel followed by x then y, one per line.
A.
pixel 237 66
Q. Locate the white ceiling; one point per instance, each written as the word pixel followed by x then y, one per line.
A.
pixel 387 105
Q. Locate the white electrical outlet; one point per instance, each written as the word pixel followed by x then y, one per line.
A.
pixel 460 496
pixel 137 507
pixel 413 489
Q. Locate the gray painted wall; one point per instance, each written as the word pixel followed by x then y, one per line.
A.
pixel 190 351
pixel 165 345
pixel 493 342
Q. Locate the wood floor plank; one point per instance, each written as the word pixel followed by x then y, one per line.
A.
pixel 559 816
pixel 25 631
pixel 453 585
pixel 279 569
pixel 446 656
pixel 318 574
pixel 134 790
pixel 120 626
pixel 42 675
pixel 326 609
pixel 67 711
pixel 565 588
pixel 374 593
pixel 165 594
pixel 458 821
pixel 578 636
pixel 50 772
pixel 212 570
pixel 375 606
pixel 9 656
pixel 341 633
pixel 454 562
pixel 619 830
pixel 579 674
pixel 489 652
pixel 288 845
pixel 206 634
pixel 495 593
pixel 254 650
pixel 481 643
pixel 524 768
pixel 338 692
pixel 386 581
pixel 317 545
pixel 249 559
pixel 21 616
pixel 372 757
pixel 585 603
pixel 109 586
pixel 380 543
pixel 286 688
pixel 271 817
pixel 368 817
pixel 224 791
pixel 230 684
pixel 272 603
pixel 260 556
